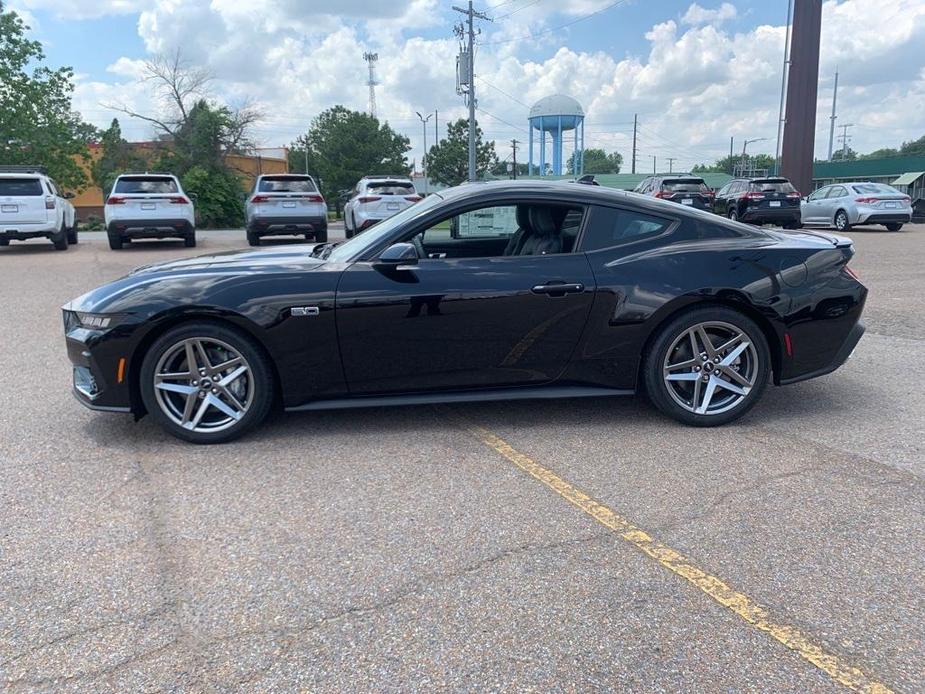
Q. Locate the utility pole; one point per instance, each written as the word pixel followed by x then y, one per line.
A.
pixel 371 59
pixel 845 139
pixel 471 15
pixel 833 116
pixel 731 165
pixel 745 144
pixel 671 164
pixel 635 122
pixel 436 126
pixel 653 164
pixel 424 158
pixel 306 156
pixel 514 144
pixel 783 88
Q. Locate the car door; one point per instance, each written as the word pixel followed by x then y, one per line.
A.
pixel 812 210
pixel 464 322
pixel 719 201
pixel 834 201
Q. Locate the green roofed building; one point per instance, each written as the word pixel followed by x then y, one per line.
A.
pixel 906 174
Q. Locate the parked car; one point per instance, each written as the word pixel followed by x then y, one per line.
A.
pixel 286 205
pixel 844 204
pixel 480 292
pixel 766 200
pixel 376 198
pixel 32 206
pixel 148 206
pixel 680 188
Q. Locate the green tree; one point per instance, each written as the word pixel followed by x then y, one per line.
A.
pixel 847 154
pixel 219 203
pixel 37 124
pixel 597 161
pixel 345 145
pixel 116 157
pixel 913 148
pixel 880 153
pixel 728 164
pixel 499 168
pixel 448 160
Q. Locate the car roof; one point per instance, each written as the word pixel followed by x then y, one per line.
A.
pixel 30 174
pixel 285 175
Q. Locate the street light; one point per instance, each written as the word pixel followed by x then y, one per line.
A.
pixel 424 158
pixel 746 144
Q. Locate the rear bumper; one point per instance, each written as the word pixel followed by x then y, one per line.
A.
pixel 288 225
pixel 841 356
pixel 885 217
pixel 21 232
pixel 784 215
pixel 150 228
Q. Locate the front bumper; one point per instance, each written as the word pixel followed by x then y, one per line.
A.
pixel 98 380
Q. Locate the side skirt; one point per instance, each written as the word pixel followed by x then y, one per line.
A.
pixel 531 393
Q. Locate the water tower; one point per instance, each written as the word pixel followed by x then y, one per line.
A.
pixel 556 115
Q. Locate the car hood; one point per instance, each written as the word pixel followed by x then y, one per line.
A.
pixel 283 258
pixel 186 277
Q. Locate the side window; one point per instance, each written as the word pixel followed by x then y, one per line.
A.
pixel 837 192
pixel 723 191
pixel 818 194
pixel 609 227
pixel 488 222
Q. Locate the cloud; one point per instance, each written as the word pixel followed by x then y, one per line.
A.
pixel 695 85
pixel 697 15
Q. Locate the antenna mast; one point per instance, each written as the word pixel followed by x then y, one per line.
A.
pixel 371 59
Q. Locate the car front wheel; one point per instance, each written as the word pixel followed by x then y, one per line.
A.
pixel 206 383
pixel 841 221
pixel 707 367
pixel 894 226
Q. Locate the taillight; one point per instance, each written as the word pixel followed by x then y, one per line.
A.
pixel 369 198
pixel 754 196
pixel 413 198
pixel 663 194
pixel 49 202
pixel 115 200
pixel 314 198
pixel 260 198
pixel 906 198
pixel 179 200
pixel 794 194
pixel 866 200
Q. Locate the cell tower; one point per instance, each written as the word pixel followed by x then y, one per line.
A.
pixel 371 59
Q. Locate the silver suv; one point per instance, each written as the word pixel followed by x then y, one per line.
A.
pixel 286 204
pixel 375 198
pixel 32 206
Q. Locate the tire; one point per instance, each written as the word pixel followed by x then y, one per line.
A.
pixel 893 226
pixel 248 396
pixel 840 222
pixel 794 225
pixel 4 242
pixel 190 241
pixel 60 240
pixel 318 236
pixel 115 241
pixel 684 397
pixel 72 234
pixel 253 239
pixel 733 215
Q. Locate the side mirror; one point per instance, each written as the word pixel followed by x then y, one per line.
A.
pixel 396 255
pixel 192 196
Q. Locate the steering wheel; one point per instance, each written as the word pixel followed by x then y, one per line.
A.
pixel 418 243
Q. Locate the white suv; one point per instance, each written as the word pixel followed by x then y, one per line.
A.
pixel 148 206
pixel 287 204
pixel 375 198
pixel 32 206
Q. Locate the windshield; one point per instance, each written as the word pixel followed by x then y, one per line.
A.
pixel 287 184
pixel 875 189
pixel 146 185
pixel 777 185
pixel 20 186
pixel 355 246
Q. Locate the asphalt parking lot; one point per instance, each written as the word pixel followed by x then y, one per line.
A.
pixel 568 545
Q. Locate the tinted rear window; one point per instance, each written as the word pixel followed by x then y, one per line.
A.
pixel 20 186
pixel 391 188
pixel 287 184
pixel 146 184
pixel 685 185
pixel 773 186
pixel 875 189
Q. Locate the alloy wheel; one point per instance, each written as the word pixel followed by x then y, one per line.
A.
pixel 841 221
pixel 710 368
pixel 203 384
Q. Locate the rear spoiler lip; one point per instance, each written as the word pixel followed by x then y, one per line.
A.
pixel 834 239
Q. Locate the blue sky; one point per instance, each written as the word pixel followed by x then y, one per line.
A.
pixel 697 73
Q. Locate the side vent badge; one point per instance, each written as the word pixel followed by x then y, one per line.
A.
pixel 305 311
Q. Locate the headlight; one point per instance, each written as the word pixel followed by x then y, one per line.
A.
pixel 90 321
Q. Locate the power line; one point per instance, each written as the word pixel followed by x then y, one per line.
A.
pixel 522 7
pixel 552 29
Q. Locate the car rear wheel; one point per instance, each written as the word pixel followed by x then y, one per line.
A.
pixel 190 241
pixel 253 239
pixel 207 383
pixel 733 215
pixel 841 221
pixel 707 367
pixel 72 234
pixel 894 226
pixel 60 239
pixel 4 242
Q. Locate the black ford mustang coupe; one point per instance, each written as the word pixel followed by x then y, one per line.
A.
pixel 481 292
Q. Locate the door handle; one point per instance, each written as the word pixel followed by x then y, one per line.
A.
pixel 558 288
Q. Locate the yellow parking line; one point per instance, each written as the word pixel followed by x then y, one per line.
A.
pixel 740 604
